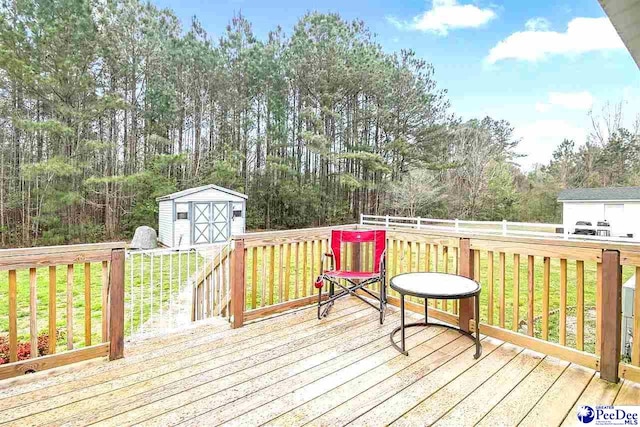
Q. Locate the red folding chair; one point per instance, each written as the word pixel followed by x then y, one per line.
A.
pixel 351 281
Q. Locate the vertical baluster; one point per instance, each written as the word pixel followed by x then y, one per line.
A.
pixel 454 303
pixel 227 280
pixel 304 269
pixel 254 277
pixel 105 301
pixel 151 287
pixel 531 299
pixel 161 284
pixel 131 293
pixel 33 308
pixel 272 262
pixel 87 304
pixel 503 304
pixel 580 305
pixel 445 269
pixel 312 267
pixel 141 320
pixel 202 293
pixel 70 307
pixel 598 306
pixel 287 272
pixel 436 268
pixel 280 273
pixel 427 256
pixel 516 292
pixel 563 303
pixel 263 279
pixel 296 271
pixel 13 317
pixel 546 279
pixel 395 257
pixel 53 333
pixel 490 287
pixel 170 281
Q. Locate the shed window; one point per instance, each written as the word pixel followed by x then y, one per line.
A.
pixel 237 210
pixel 182 211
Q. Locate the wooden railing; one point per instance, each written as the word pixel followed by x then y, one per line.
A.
pixel 554 296
pixel 212 294
pixel 43 286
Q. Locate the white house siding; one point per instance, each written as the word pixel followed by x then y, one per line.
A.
pixel 593 212
pixel 165 221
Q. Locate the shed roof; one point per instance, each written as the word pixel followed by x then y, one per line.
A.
pixel 199 189
pixel 599 194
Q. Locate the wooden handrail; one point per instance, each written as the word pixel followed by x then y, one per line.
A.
pixel 111 257
pixel 13 259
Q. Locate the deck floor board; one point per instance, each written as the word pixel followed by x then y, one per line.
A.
pixel 294 370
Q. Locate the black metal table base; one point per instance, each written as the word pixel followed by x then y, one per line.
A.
pixel 402 327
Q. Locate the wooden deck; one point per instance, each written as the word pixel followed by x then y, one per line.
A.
pixel 295 370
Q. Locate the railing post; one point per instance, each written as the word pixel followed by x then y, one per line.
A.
pixel 466 269
pixel 611 315
pixel 386 221
pixel 237 284
pixel 504 227
pixel 116 305
pixel 457 224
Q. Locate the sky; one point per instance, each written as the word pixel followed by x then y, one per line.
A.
pixel 542 65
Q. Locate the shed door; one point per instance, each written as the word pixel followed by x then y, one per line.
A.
pixel 220 222
pixel 201 223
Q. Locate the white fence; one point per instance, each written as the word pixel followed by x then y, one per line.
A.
pixel 504 228
pixel 160 286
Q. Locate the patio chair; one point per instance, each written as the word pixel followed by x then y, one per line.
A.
pixel 351 281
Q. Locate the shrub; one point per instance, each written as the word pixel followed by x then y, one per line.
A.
pixel 24 348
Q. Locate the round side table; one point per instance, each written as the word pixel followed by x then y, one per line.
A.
pixel 436 286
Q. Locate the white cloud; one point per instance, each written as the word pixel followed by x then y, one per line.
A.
pixel 572 100
pixel 581 101
pixel 541 137
pixel 542 107
pixel 537 42
pixel 537 24
pixel 446 15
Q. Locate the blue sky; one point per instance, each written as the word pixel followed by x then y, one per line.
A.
pixel 542 65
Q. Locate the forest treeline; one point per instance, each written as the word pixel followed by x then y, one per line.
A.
pixel 105 105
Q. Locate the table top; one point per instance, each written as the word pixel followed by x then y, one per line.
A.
pixel 435 285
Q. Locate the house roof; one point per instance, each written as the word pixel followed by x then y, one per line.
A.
pixel 599 194
pixel 625 17
pixel 199 189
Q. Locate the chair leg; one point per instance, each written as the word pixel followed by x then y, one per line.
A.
pixel 319 302
pixel 383 298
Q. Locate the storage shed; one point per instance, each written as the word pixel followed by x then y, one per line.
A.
pixel 201 215
pixel 617 207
